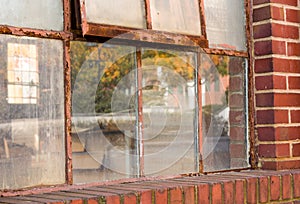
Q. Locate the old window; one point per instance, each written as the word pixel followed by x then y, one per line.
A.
pixel 95 90
pixel 32 116
pixel 46 14
pixel 141 109
pixel 225 20
pixel 148 103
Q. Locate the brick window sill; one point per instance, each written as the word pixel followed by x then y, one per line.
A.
pixel 248 186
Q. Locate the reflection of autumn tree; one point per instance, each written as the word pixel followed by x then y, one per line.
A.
pixel 182 63
pixel 108 64
pixel 99 65
pixel 213 67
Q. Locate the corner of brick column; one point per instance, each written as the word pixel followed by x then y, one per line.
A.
pixel 276 66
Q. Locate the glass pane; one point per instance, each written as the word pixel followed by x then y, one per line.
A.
pixel 32 112
pixel 128 13
pixel 225 24
pixel 224 113
pixel 176 16
pixel 169 111
pixel 104 118
pixel 45 14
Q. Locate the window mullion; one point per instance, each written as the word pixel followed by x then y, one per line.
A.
pixel 140 126
pixel 199 136
pixel 202 18
pixel 148 14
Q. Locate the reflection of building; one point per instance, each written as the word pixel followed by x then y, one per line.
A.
pixel 214 92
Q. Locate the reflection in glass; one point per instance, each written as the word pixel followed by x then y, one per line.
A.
pixel 103 114
pixel 223 112
pixel 128 13
pixel 225 24
pixel 176 16
pixel 32 112
pixel 45 14
pixel 168 92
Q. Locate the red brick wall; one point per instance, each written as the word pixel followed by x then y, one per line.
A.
pixel 231 187
pixel 277 81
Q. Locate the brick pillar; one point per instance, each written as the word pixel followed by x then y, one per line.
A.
pixel 277 82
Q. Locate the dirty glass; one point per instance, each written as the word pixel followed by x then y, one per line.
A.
pixel 169 111
pixel 32 112
pixel 103 112
pixel 176 16
pixel 225 24
pixel 45 14
pixel 224 112
pixel 128 13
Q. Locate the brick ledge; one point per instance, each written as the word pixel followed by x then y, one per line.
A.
pixel 248 186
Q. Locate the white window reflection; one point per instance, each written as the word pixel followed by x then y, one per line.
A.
pixel 22 73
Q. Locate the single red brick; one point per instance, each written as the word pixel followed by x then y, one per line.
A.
pixel 286 186
pixel 287 133
pixel 262 13
pixel 296 150
pixel 286 99
pixel 203 194
pixel 266 133
pixel 262 31
pixel 228 192
pixel 267 150
pixel 236 117
pixel 274 150
pixel 161 196
pixel 237 150
pixel 286 65
pixel 272 116
pixel 264 82
pixel 280 165
pixel 145 197
pixel 265 100
pixel 251 190
pixel 236 83
pixel 92 201
pixel 76 201
pixel 278 133
pixel 239 191
pixel 282 150
pixel 279 47
pixel 293 15
pixel 263 65
pixel 294 82
pixel 175 196
pixel 263 189
pixel 285 2
pixel 189 194
pixel 275 188
pixel 237 133
pixel 114 199
pixel 216 193
pixel 236 100
pixel 257 2
pixel 296 179
pixel 293 49
pixel 285 31
pixel 130 198
pixel 263 47
pixel 236 66
pixel 277 13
